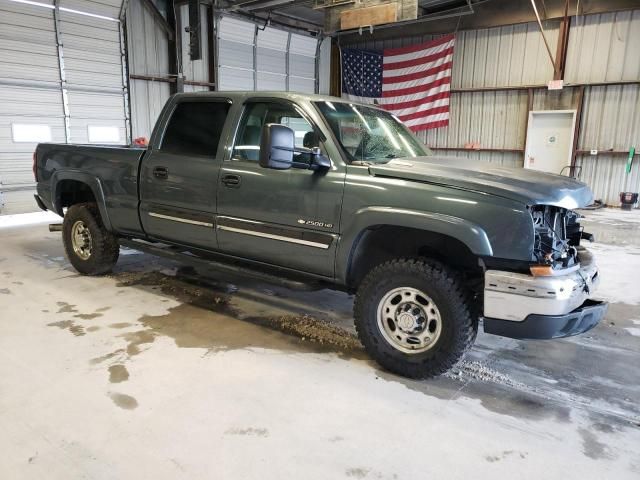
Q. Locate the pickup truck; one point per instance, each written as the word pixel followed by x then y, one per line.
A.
pixel 313 191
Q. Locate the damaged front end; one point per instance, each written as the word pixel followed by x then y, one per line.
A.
pixel 554 300
pixel 557 236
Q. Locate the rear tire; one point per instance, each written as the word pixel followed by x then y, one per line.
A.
pixel 90 247
pixel 414 317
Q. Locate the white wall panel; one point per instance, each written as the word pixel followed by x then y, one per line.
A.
pixel 195 69
pixel 503 56
pixel 148 54
pixel 604 47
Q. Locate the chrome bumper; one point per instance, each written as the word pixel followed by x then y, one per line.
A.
pixel 515 296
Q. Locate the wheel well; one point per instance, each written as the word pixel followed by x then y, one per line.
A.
pixel 70 192
pixel 381 243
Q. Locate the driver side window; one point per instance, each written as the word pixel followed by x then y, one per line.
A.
pixel 256 115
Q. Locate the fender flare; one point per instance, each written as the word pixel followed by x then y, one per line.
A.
pixel 469 233
pixel 94 183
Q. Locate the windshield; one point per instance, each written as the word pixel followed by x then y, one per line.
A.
pixel 369 134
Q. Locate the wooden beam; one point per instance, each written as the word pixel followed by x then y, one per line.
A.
pixel 576 131
pixel 563 42
pixel 364 17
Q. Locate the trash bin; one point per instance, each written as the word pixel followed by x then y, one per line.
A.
pixel 628 200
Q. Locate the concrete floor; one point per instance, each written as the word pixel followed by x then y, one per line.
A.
pixel 155 372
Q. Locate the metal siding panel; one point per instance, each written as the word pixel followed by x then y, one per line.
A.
pixel 299 84
pixel 148 55
pixel 235 79
pixel 234 54
pixel 272 82
pixel 105 8
pixel 25 106
pixel 273 61
pixel 610 121
pixel 510 55
pixel 236 30
pixel 195 69
pixel 603 47
pixel 28 56
pixel 302 66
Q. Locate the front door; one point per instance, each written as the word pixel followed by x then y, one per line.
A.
pixel 550 141
pixel 287 218
pixel 179 177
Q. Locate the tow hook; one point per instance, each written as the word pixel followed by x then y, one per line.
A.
pixel 55 227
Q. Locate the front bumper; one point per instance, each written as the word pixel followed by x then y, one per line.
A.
pixel 540 327
pixel 523 306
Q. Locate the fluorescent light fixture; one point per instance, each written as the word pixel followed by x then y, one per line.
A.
pixel 101 134
pixel 30 133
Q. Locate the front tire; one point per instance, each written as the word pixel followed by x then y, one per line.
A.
pixel 90 247
pixel 414 317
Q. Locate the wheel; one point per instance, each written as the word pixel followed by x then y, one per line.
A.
pixel 91 249
pixel 414 317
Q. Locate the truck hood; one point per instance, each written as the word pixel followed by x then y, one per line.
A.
pixel 522 185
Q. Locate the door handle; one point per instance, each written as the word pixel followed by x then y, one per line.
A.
pixel 232 181
pixel 161 172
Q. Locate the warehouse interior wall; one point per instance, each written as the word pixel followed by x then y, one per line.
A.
pixel 501 73
pixel 62 79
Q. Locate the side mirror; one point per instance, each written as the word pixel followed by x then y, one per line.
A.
pixel 276 147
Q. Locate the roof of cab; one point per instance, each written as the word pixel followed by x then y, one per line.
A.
pixel 262 94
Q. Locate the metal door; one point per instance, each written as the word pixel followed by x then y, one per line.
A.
pixel 179 179
pixel 287 218
pixel 550 140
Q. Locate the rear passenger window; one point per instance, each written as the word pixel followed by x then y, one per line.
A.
pixel 195 128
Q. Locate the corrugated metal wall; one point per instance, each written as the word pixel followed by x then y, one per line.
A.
pixel 148 54
pixel 32 81
pixel 197 70
pixel 602 48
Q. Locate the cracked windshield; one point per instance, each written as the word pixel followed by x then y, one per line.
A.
pixel 370 135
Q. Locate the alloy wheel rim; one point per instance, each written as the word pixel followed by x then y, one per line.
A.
pixel 409 320
pixel 81 240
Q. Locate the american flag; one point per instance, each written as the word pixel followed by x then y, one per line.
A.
pixel 413 83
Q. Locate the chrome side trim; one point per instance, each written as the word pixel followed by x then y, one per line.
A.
pixel 181 220
pixel 324 246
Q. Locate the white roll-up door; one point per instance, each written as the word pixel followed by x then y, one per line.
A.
pixel 272 59
pixel 235 54
pixel 252 57
pixel 302 63
pixel 32 104
pixel 93 69
pixel 30 95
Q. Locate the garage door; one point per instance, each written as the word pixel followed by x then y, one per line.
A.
pixel 251 58
pixel 90 106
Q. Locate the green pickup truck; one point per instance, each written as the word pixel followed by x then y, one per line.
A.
pixel 315 192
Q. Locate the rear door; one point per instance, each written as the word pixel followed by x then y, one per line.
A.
pixel 179 176
pixel 287 218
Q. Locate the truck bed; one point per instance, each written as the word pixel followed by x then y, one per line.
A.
pixel 110 171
